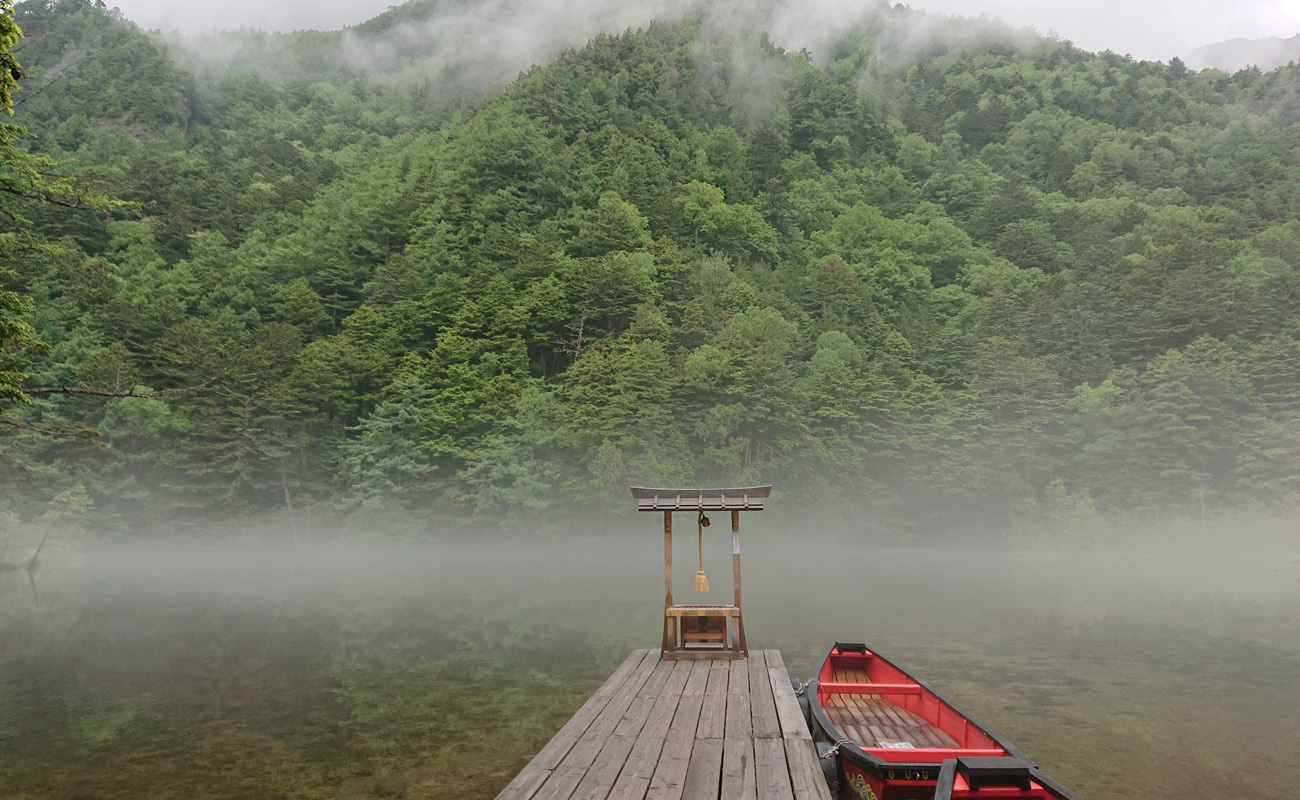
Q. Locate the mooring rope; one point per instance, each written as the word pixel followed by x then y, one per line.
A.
pixel 835 750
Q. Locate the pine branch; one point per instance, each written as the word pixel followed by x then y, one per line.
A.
pixel 78 433
pixel 45 390
pixel 45 198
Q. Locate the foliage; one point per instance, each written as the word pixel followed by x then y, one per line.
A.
pixel 1005 282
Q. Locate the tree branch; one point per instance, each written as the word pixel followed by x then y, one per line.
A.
pixel 43 390
pixel 73 434
pixel 39 198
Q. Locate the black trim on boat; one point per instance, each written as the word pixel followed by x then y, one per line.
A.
pixel 994 771
pixel 947 777
pixel 1052 785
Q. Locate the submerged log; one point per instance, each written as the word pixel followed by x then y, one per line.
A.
pixel 30 565
pixel 34 563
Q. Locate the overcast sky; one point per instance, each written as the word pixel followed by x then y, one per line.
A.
pixel 1155 29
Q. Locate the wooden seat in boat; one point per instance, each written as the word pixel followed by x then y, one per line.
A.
pixel 876 722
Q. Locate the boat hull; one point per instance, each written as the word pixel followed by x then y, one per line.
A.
pixel 868 784
pixel 895 738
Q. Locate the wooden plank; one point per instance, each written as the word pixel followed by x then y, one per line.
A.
pixel 704 773
pixel 875 718
pixel 806 777
pixel 604 771
pixel 555 750
pixel 703 611
pixel 684 730
pixel 947 740
pixel 571 770
pixel 528 781
pixel 719 678
pixel 670 773
pixel 771 772
pixel 710 654
pixel 634 779
pixel 634 719
pixel 762 704
pixel 738 678
pixel 738 742
pixel 927 738
pixel 889 715
pixel 788 714
pixel 741 498
pixel 713 711
pixel 864 736
pixel 539 769
pixel 698 681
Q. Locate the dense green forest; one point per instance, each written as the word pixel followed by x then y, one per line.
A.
pixel 997 283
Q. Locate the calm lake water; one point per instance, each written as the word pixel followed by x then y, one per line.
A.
pixel 436 671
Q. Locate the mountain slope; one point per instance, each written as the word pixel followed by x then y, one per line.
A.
pixel 1236 54
pixel 1006 284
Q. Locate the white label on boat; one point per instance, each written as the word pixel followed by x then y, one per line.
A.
pixel 896 745
pixel 735 543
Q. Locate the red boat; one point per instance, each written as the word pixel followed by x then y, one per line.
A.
pixel 895 738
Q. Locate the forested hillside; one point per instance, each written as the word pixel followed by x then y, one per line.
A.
pixel 924 279
pixel 1235 54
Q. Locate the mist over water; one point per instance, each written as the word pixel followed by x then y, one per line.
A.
pixel 333 670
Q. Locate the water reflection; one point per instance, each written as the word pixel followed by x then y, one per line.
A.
pixel 327 670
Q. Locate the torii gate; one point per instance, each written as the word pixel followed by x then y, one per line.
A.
pixel 702 631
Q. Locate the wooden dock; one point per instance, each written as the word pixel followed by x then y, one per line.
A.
pixel 670 730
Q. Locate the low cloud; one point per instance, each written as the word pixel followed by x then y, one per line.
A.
pixel 1151 29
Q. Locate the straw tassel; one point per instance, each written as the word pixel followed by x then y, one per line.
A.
pixel 701 582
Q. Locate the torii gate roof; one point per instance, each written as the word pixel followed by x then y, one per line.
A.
pixel 745 498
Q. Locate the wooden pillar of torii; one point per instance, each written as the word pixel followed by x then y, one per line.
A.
pixel 702 631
